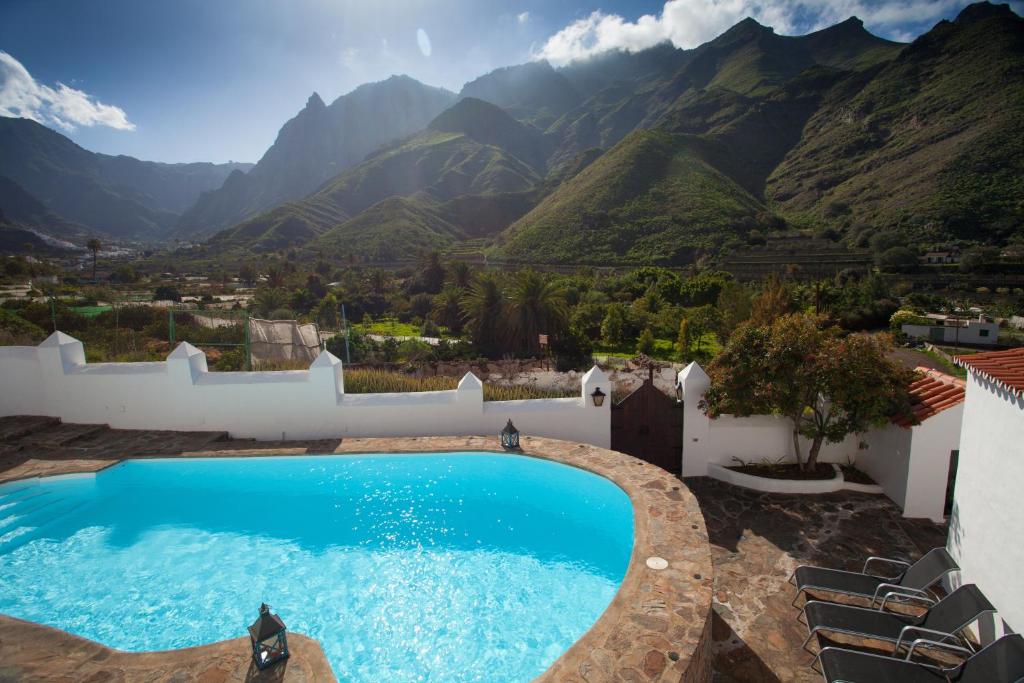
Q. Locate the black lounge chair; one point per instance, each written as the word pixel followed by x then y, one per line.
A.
pixel 913 580
pixel 943 622
pixel 1000 662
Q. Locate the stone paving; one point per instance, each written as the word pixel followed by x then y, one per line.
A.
pixel 758 539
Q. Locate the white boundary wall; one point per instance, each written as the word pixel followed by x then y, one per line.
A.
pixel 751 439
pixel 911 465
pixel 987 524
pixel 53 379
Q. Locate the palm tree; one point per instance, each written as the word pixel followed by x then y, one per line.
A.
pixel 267 301
pixel 448 309
pixel 460 274
pixel 483 308
pixel 275 277
pixel 94 246
pixel 536 307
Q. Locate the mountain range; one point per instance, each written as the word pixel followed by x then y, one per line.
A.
pixel 657 156
pixel 85 192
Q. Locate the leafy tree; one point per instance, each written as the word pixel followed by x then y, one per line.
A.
pixel 704 288
pixel 536 306
pixel 904 317
pixel 166 293
pixel 587 317
pixel 94 245
pixel 897 258
pixel 613 326
pixel 828 386
pixel 735 305
pixel 483 309
pixel 973 260
pixel 774 301
pixel 314 285
pixel 327 313
pixel 645 344
pixel 247 274
pixel 572 351
pixel 683 341
pixel 702 320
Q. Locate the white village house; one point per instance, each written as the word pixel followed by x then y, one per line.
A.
pixel 948 329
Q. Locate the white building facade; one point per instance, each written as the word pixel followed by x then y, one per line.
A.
pixel 986 530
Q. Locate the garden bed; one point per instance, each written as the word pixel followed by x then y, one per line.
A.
pixel 851 475
pixel 783 478
pixel 790 471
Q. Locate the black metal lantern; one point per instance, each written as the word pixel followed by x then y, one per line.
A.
pixel 598 397
pixel 269 642
pixel 510 436
pixel 679 391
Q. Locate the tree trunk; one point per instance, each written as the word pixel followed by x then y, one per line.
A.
pixel 812 456
pixel 94 267
pixel 796 445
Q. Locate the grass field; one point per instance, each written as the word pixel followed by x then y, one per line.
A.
pixel 389 328
pixel 91 311
pixel 664 349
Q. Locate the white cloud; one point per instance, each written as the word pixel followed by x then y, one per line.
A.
pixel 424 42
pixel 688 23
pixel 63 106
pixel 523 17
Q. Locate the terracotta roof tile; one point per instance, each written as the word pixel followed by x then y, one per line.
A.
pixel 1004 368
pixel 930 394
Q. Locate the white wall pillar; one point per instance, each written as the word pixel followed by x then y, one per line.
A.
pixel 594 379
pixel 325 372
pixel 696 425
pixel 186 364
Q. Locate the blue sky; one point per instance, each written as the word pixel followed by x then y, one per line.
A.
pixel 212 80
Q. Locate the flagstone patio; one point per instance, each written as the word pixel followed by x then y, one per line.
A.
pixel 757 539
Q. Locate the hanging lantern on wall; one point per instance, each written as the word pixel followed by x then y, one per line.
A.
pixel 510 436
pixel 269 641
pixel 598 397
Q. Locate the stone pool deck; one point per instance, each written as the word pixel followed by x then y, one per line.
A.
pixel 757 539
pixel 657 628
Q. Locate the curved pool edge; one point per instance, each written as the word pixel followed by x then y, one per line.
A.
pixel 657 627
pixel 30 652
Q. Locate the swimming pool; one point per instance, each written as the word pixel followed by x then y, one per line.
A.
pixel 437 567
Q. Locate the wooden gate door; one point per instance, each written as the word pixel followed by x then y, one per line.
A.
pixel 648 424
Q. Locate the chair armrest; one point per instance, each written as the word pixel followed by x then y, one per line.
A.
pixel 897 590
pixel 925 600
pixel 886 560
pixel 924 631
pixel 956 649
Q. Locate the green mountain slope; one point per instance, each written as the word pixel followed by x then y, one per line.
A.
pixel 19 208
pixel 653 198
pixel 932 144
pixel 115 195
pixel 467 151
pixel 320 142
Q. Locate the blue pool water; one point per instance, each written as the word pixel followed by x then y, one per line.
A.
pixel 439 567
